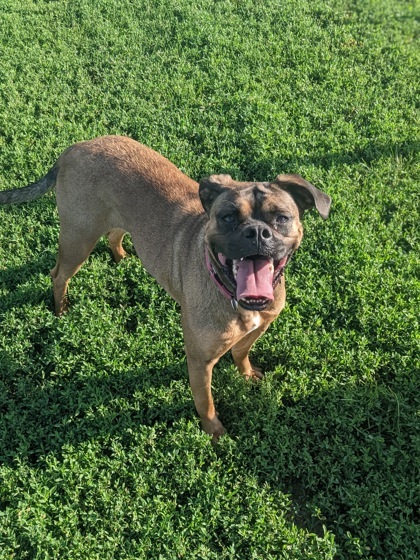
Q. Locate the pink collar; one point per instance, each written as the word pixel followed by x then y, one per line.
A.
pixel 216 279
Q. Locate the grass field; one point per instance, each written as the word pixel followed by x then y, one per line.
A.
pixel 101 455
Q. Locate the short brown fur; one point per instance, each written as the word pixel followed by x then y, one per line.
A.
pixel 113 185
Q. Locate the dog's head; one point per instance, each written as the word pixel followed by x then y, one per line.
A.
pixel 254 228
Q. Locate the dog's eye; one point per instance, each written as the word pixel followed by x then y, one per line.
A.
pixel 228 218
pixel 282 219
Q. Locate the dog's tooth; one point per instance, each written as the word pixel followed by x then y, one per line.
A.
pixel 235 268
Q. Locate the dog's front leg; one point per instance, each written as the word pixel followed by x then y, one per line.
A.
pixel 203 352
pixel 240 354
pixel 200 374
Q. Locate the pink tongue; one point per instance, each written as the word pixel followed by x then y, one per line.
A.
pixel 254 279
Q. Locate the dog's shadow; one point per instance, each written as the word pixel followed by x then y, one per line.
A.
pixel 41 413
pixel 288 446
pixel 40 409
pixel 19 289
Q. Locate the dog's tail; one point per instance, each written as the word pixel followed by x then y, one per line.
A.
pixel 32 191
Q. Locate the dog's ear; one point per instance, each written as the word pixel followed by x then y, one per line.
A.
pixel 211 187
pixel 306 195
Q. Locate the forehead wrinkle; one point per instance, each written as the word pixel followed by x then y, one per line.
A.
pixel 237 202
pixel 242 201
pixel 272 208
pixel 252 199
pixel 260 195
pixel 279 200
pixel 244 207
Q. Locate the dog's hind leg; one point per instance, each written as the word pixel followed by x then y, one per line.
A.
pixel 73 249
pixel 115 237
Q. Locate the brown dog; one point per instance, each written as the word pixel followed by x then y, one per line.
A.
pixel 223 265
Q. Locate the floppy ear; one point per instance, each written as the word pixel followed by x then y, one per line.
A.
pixel 306 195
pixel 211 187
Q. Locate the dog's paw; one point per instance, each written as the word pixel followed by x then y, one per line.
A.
pixel 119 255
pixel 62 307
pixel 254 372
pixel 214 428
pixel 248 370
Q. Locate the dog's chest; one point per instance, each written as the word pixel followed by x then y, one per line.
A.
pixel 250 321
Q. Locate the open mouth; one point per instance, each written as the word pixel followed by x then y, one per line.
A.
pixel 255 278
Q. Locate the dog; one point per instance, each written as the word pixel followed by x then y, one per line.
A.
pixel 219 248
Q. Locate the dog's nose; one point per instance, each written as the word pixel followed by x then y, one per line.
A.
pixel 259 233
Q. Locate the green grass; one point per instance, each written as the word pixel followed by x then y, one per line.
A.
pixel 101 455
